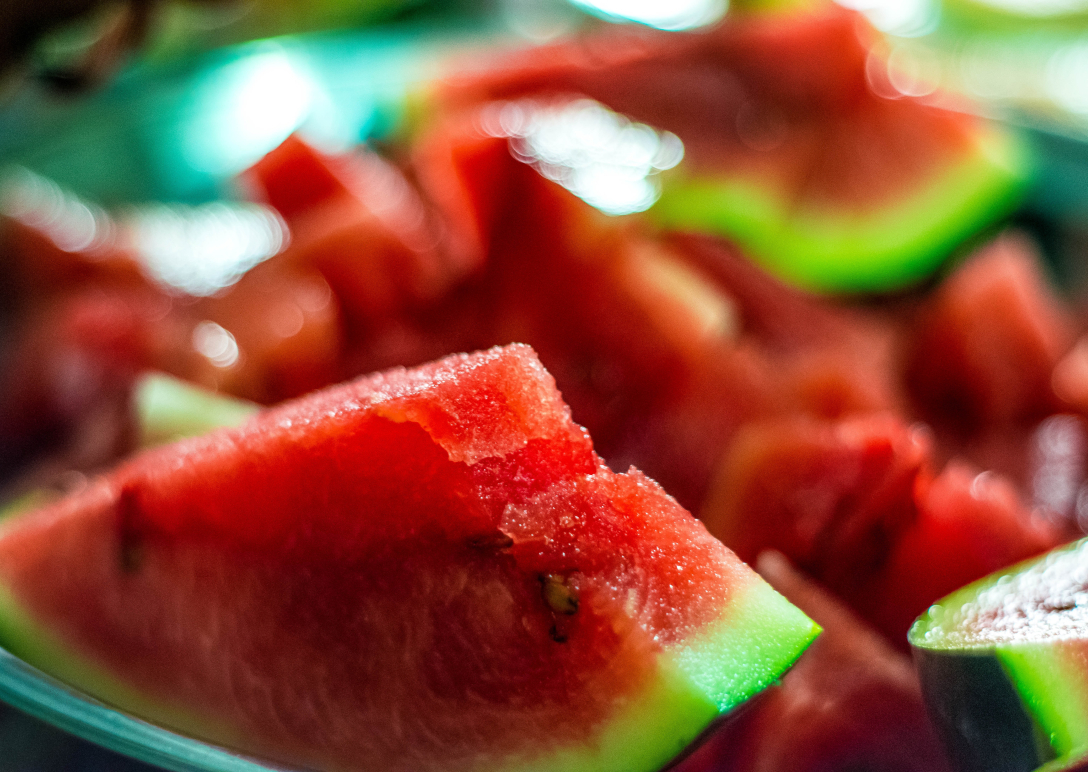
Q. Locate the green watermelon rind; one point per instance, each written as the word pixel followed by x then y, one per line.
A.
pixel 751 647
pixel 976 16
pixel 891 247
pixel 1052 689
pixel 169 409
pixel 24 638
pixel 1053 692
pixel 758 638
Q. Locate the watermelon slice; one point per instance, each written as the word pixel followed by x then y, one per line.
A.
pixel 789 147
pixel 419 570
pixel 1003 665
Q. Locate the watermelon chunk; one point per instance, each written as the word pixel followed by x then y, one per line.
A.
pixel 789 148
pixel 969 524
pixel 831 495
pixel 987 342
pixel 425 569
pixel 1002 663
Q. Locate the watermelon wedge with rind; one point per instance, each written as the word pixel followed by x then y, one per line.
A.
pixel 689 693
pixel 821 249
pixel 795 146
pixel 1004 665
pixel 120 589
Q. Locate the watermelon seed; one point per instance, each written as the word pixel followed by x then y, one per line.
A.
pixel 557 636
pixel 1064 604
pixel 130 543
pixel 491 541
pixel 560 597
pixel 132 556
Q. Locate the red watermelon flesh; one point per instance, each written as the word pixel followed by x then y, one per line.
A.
pixel 855 503
pixel 834 496
pixel 425 569
pixel 358 220
pixel 286 322
pixel 988 340
pixel 662 346
pixel 785 100
pixel 828 359
pixel 465 174
pixel 969 524
pixel 294 178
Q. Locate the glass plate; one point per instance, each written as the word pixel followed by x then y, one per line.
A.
pixel 43 697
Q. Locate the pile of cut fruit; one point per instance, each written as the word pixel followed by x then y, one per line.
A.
pixel 776 294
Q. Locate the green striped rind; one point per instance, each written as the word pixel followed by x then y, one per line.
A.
pixel 1052 681
pixel 887 248
pixel 762 636
pixel 1039 681
pixel 169 409
pixel 26 639
pixel 757 640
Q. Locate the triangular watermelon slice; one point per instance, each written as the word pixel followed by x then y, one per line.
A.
pixel 795 144
pixel 1003 665
pixel 420 570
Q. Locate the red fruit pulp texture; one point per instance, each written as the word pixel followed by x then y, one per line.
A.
pixel 816 133
pixel 833 495
pixel 988 341
pixel 434 502
pixel 679 381
pixel 294 178
pixel 969 524
pixel 358 221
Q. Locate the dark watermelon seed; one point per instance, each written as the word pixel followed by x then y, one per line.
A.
pixel 560 597
pixel 132 555
pixel 491 541
pixel 130 544
pixel 557 635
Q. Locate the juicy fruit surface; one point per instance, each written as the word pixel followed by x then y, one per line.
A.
pixel 1003 664
pixel 437 555
pixel 1043 602
pixel 792 147
pixel 680 356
